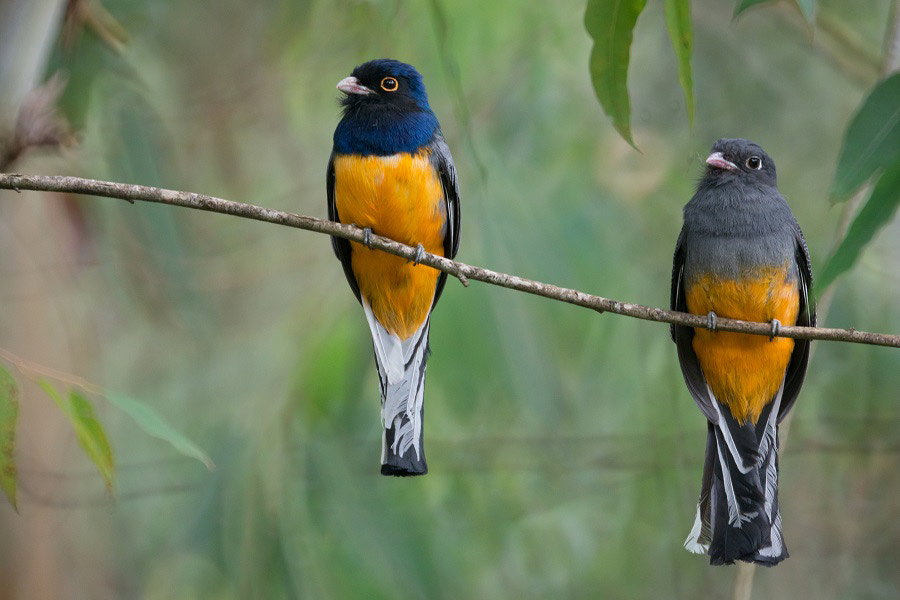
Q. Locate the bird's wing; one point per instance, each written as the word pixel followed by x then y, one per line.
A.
pixel 684 336
pixel 806 317
pixel 676 295
pixel 443 164
pixel 340 246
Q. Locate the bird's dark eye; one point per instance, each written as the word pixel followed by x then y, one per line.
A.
pixel 755 163
pixel 389 84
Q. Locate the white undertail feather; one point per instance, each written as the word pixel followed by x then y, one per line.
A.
pixel 699 532
pixel 729 440
pixel 388 347
pixel 771 435
pixel 735 517
pixel 777 546
pixel 734 514
pixel 402 374
pixel 770 442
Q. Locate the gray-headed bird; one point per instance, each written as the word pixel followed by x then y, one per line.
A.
pixel 741 255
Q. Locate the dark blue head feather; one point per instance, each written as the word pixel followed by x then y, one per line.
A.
pixel 385 122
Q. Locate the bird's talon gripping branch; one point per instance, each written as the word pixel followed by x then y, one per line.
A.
pixel 712 321
pixel 420 254
pixel 367 237
pixel 776 328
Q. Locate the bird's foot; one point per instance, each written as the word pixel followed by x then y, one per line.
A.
pixel 367 237
pixel 420 254
pixel 712 321
pixel 776 328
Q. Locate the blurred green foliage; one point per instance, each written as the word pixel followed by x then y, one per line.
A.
pixel 565 452
pixel 9 415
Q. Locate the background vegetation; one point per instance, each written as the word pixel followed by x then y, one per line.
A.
pixel 565 451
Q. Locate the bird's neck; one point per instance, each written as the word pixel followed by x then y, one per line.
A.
pixel 382 133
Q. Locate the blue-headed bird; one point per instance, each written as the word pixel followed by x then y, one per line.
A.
pixel 741 255
pixel 391 173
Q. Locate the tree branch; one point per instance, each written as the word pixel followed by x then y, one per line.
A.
pixel 461 271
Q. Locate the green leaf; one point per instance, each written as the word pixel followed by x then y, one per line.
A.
pixel 745 4
pixel 678 21
pixel 877 212
pixel 872 140
pixel 153 424
pixel 87 429
pixel 9 415
pixel 91 435
pixel 808 8
pixel 611 25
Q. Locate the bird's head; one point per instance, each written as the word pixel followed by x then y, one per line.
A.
pixel 384 84
pixel 739 159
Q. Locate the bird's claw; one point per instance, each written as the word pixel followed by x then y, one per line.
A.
pixel 776 328
pixel 420 254
pixel 712 321
pixel 367 237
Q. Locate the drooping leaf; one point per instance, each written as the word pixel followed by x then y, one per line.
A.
pixel 872 140
pixel 92 436
pixel 877 212
pixel 87 429
pixel 9 415
pixel 808 8
pixel 678 21
pixel 153 424
pixel 743 5
pixel 611 25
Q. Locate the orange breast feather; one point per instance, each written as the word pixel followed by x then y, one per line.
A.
pixel 744 371
pixel 399 197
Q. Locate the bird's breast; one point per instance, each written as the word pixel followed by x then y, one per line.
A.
pixel 400 197
pixel 744 371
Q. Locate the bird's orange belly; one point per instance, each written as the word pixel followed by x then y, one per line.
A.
pixel 744 371
pixel 399 197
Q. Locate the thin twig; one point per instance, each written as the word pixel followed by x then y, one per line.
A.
pixel 36 371
pixel 462 271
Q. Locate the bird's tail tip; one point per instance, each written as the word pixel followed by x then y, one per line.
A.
pixel 405 470
pixel 745 521
pixel 402 458
pixel 402 401
pixel 698 539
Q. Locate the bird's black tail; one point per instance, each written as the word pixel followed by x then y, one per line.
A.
pixel 737 516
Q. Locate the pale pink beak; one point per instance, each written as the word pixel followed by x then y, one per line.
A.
pixel 718 161
pixel 351 85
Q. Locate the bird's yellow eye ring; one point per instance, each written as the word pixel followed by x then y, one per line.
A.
pixel 389 84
